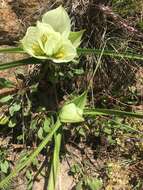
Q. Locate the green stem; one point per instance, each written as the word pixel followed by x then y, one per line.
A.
pixel 55 162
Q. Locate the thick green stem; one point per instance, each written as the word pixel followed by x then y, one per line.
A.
pixel 55 161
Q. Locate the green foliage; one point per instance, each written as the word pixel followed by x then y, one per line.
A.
pixel 14 108
pixel 25 162
pixel 29 176
pixel 4 163
pixel 127 7
pixel 5 83
pixel 76 169
pixel 18 63
pixel 85 182
pixel 6 99
pixel 99 111
pixel 4 120
pixel 4 166
pixel 55 161
pixel 93 184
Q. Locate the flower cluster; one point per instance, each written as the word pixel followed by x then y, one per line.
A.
pixel 52 38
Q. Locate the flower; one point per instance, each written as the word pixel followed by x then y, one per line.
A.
pixel 70 113
pixel 52 38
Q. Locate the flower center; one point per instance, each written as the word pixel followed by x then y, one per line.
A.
pixel 60 54
pixel 37 49
pixel 44 38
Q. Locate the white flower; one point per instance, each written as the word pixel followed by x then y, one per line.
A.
pixel 70 113
pixel 52 38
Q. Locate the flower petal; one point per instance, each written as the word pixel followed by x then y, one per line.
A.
pixel 66 53
pixel 71 114
pixel 31 45
pixel 59 20
pixel 75 37
pixel 49 40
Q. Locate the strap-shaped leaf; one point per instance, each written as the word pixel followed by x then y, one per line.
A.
pixel 128 55
pixel 55 161
pixel 85 51
pixel 12 50
pixel 100 111
pixel 27 61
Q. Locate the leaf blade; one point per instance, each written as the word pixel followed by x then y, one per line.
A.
pixel 12 64
pixel 12 50
pixel 100 111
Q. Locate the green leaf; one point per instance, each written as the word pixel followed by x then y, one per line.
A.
pixel 4 166
pixel 78 71
pixel 12 50
pixel 14 108
pixel 33 124
pixel 80 101
pixel 128 55
pixel 55 161
pixel 59 20
pixel 100 111
pixel 4 120
pixel 29 175
pixel 82 132
pixel 75 37
pixel 5 83
pixel 6 99
pixel 107 131
pixel 47 123
pixel 79 185
pixel 12 122
pixel 40 133
pixel 27 61
pixel 76 169
pixel 94 184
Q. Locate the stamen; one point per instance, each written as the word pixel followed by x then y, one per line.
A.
pixel 44 38
pixel 37 49
pixel 59 55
